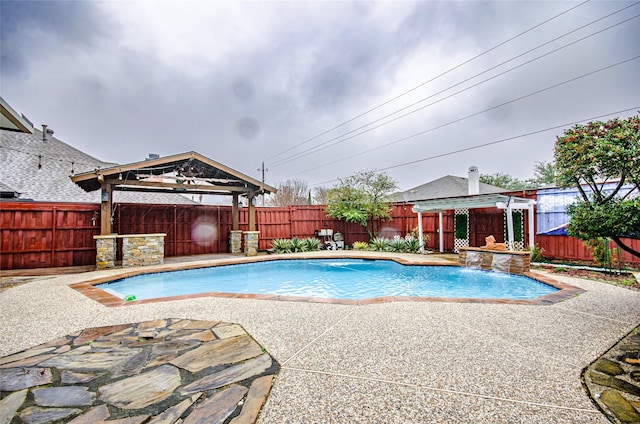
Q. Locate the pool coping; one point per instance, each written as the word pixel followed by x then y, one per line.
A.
pixel 88 288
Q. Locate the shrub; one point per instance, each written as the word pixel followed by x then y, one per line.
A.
pixel 536 254
pixel 397 244
pixel 411 245
pixel 380 244
pixel 311 244
pixel 360 245
pixel 415 233
pixel 298 245
pixel 282 245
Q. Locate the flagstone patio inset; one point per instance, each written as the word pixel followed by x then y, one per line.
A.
pixel 168 371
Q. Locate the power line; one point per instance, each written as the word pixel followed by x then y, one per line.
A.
pixel 471 115
pixel 478 146
pixel 430 80
pixel 320 147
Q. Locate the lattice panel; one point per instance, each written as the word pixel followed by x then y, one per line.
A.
pixel 458 243
pixel 517 244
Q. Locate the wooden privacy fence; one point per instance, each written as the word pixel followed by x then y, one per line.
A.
pixel 40 235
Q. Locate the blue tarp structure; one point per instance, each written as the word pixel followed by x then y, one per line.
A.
pixel 551 203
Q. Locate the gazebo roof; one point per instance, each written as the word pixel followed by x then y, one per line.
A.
pixel 185 172
pixel 470 202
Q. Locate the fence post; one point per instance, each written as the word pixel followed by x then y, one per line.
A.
pixel 54 213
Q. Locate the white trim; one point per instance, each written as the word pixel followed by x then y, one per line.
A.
pixel 440 232
pixel 420 238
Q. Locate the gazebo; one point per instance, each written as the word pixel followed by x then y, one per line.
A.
pixel 184 173
pixel 500 201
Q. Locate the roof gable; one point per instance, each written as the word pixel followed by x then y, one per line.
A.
pixel 447 186
pixel 190 172
pixel 11 120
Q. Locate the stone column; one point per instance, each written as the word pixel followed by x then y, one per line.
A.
pixel 106 251
pixel 251 243
pixel 142 249
pixel 235 241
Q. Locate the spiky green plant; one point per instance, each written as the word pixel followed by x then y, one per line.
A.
pixel 380 244
pixel 397 244
pixel 298 245
pixel 282 245
pixel 360 245
pixel 411 245
pixel 311 244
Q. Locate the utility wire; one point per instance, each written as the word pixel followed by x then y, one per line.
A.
pixel 470 116
pixel 430 80
pixel 478 146
pixel 324 145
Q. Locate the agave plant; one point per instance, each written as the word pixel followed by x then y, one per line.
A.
pixel 380 244
pixel 311 244
pixel 360 245
pixel 411 245
pixel 282 245
pixel 298 245
pixel 397 244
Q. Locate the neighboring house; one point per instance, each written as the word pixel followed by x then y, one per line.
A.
pixel 448 186
pixel 478 210
pixel 37 166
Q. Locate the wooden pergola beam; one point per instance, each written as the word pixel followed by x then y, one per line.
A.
pixel 186 187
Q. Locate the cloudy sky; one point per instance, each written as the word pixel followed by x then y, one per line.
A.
pixel 322 89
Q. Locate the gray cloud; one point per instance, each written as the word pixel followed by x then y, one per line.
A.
pixel 32 27
pixel 242 82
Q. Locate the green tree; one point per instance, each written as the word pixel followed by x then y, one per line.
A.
pixel 505 181
pixel 600 158
pixel 362 198
pixel 544 173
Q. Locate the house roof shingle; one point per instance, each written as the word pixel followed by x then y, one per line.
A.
pixel 40 170
pixel 447 186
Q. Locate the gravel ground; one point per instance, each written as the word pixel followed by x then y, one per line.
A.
pixel 395 362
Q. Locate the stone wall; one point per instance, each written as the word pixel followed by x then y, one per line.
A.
pixel 251 243
pixel 142 249
pixel 105 251
pixel 513 262
pixel 235 241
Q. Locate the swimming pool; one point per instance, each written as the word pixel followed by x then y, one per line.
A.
pixel 332 278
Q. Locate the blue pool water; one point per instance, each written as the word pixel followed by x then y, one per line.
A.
pixel 332 278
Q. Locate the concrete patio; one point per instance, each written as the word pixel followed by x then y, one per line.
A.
pixel 404 362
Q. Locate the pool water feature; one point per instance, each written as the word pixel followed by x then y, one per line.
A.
pixel 331 278
pixel 500 263
pixel 473 260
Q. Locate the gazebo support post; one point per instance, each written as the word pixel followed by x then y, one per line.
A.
pixel 510 227
pixel 420 237
pixel 234 212
pixel 532 232
pixel 106 201
pixel 252 212
pixel 440 232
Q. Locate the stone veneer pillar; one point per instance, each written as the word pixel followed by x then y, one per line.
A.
pixel 235 241
pixel 251 243
pixel 142 249
pixel 105 251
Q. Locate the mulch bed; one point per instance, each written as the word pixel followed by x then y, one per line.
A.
pixel 623 279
